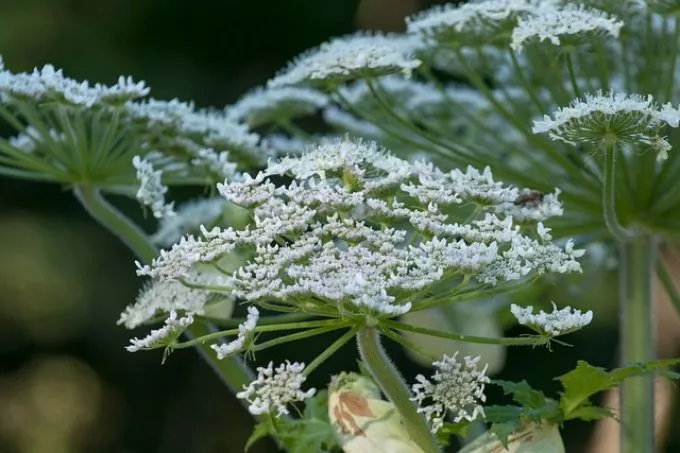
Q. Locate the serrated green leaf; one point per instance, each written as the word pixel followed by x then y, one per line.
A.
pixel 586 380
pixel 449 430
pixel 312 433
pixel 522 393
pixel 502 431
pixel 589 413
pixel 502 414
pixel 261 430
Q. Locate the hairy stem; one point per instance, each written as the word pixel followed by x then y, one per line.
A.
pixel 609 197
pixel 393 386
pixel 638 259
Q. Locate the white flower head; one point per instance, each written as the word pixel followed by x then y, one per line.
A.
pixel 152 191
pixel 347 58
pixel 457 386
pixel 609 118
pixel 275 388
pixel 50 84
pixel 355 228
pixel 269 105
pixel 157 338
pixel 472 23
pixel 245 334
pixel 573 24
pixel 558 322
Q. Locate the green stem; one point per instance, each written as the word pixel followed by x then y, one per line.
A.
pixel 324 324
pixel 117 223
pixel 297 336
pixel 393 386
pixel 523 80
pixel 572 75
pixel 394 336
pixel 330 350
pixel 609 197
pixel 232 371
pixel 273 319
pixel 481 291
pixel 637 343
pixel 521 341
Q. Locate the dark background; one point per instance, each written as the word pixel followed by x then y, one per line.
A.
pixel 66 383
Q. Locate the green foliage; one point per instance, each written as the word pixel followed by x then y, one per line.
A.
pixel 586 380
pixel 312 433
pixel 580 384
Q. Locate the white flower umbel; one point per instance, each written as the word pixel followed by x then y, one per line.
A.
pixel 473 23
pixel 152 191
pixel 603 119
pixel 573 23
pixel 457 386
pixel 180 126
pixel 559 322
pixel 356 226
pixel 50 85
pixel 272 105
pixel 275 388
pixel 245 334
pixel 347 58
pixel 164 336
pixel 190 216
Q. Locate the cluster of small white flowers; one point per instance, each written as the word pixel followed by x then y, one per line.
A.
pixel 161 337
pixel 50 84
pixel 217 163
pixel 522 205
pixel 630 118
pixel 559 322
pixel 266 105
pixel 570 21
pixel 245 333
pixel 458 387
pixel 180 124
pixel 334 252
pixel 158 297
pixel 347 58
pixel 152 191
pixel 189 217
pixel 275 388
pixel 443 22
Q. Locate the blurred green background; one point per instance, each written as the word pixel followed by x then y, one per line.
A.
pixel 66 383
